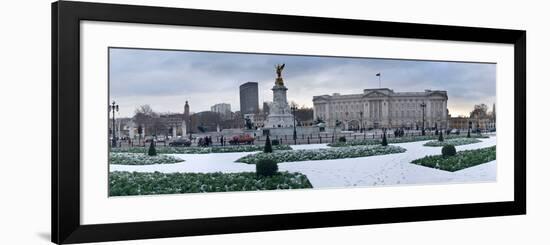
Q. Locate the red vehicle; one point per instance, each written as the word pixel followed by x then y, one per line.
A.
pixel 242 139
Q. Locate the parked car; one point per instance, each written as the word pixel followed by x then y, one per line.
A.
pixel 242 139
pixel 148 139
pixel 180 142
pixel 161 139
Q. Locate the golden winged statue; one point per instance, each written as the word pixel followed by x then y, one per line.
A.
pixel 279 71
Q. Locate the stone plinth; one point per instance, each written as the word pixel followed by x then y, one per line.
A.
pixel 280 115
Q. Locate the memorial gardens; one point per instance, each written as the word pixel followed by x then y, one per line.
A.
pixel 363 138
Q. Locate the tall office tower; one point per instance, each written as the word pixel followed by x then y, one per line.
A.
pixel 249 98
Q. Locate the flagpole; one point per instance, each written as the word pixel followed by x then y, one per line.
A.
pixel 379 82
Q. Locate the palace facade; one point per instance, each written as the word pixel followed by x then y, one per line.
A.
pixel 383 108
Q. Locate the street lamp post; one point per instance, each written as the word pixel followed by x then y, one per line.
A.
pixel 423 105
pixel 361 116
pixel 294 136
pixel 113 108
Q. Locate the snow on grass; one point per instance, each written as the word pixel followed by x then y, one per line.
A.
pixel 462 160
pixel 392 169
pixel 454 142
pixel 322 154
pixel 141 159
pixel 135 183
pixel 398 140
pixel 310 146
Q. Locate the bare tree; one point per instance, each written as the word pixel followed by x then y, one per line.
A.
pixel 145 110
pixel 304 115
pixel 480 111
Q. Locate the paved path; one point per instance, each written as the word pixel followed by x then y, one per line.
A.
pixel 393 169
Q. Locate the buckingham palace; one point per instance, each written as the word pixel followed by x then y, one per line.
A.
pixel 383 108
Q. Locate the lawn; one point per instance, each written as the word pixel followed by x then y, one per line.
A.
pixel 454 142
pixel 462 159
pixel 322 154
pixel 405 139
pixel 141 159
pixel 135 183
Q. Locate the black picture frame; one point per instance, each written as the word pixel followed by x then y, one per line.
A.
pixel 65 171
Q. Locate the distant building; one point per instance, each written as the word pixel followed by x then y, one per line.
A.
pixel 383 108
pixel 459 122
pixel 223 109
pixel 485 123
pixel 186 111
pixel 248 93
pixel 174 123
pixel 124 127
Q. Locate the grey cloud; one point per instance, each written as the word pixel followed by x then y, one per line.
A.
pixel 206 78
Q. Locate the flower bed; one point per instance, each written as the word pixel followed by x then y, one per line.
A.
pixel 201 150
pixel 462 159
pixel 455 142
pixel 322 154
pixel 134 183
pixel 141 159
pixel 397 140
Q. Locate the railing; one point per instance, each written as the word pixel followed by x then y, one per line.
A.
pixel 320 138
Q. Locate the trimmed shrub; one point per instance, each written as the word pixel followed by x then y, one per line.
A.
pixel 267 147
pixel 152 151
pixel 448 150
pixel 266 168
pixel 468 134
pixel 275 142
pixel 384 140
pixel 440 136
pixel 342 139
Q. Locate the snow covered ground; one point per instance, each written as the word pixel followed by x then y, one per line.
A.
pixel 393 169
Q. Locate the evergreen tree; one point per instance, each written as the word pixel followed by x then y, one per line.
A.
pixel 152 151
pixel 440 136
pixel 268 148
pixel 384 140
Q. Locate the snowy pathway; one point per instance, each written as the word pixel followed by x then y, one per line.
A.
pixel 390 169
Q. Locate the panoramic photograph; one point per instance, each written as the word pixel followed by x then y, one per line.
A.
pixel 185 121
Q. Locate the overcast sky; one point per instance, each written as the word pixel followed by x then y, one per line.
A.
pixel 165 79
